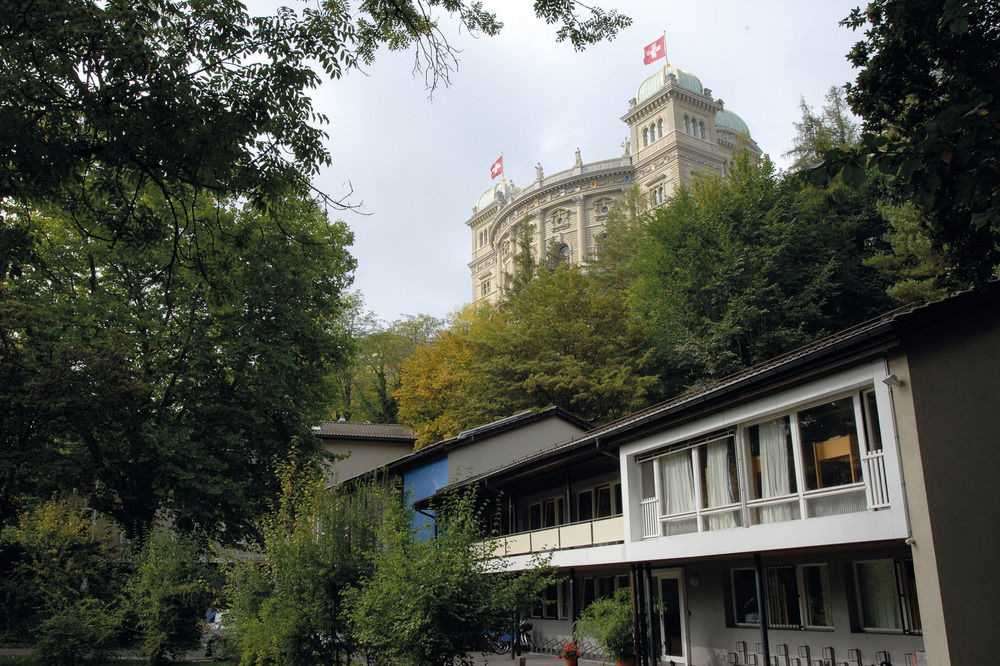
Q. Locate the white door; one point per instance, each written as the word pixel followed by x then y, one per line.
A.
pixel 669 591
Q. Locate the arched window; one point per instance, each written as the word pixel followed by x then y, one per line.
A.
pixel 701 130
pixel 687 125
pixel 645 137
pixel 659 125
pixel 564 253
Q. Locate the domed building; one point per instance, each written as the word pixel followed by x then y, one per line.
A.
pixel 676 130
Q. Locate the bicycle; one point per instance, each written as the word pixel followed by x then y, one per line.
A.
pixel 501 640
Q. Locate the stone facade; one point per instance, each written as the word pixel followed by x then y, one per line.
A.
pixel 676 130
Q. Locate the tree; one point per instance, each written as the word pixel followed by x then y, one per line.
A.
pixel 816 133
pixel 162 377
pixel 927 91
pixel 167 594
pixel 383 351
pixel 68 571
pixel 433 598
pixel 561 340
pixel 736 272
pixel 116 97
pixel 433 396
pixel 618 246
pixel 288 603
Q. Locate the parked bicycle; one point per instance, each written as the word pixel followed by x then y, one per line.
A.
pixel 501 641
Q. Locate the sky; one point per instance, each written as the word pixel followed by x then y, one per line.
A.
pixel 414 164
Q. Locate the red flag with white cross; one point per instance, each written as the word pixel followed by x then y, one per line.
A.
pixel 655 51
pixel 497 168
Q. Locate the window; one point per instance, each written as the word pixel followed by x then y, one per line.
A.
pixel 564 253
pixel 484 238
pixel 796 597
pixel 803 464
pixel 601 502
pixel 645 136
pixel 553 604
pixel 699 487
pixel 687 125
pixel 887 596
pixel 701 129
pixel 484 288
pixel 659 127
pixel 547 513
pixel 772 471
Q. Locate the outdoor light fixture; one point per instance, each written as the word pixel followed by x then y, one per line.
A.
pixel 892 380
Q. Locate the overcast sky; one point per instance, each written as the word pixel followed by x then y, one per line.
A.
pixel 417 165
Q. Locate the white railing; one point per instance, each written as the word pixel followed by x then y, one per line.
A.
pixel 876 486
pixel 650 521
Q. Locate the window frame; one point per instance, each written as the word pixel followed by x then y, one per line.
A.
pixel 907 603
pixel 800 597
pixel 810 502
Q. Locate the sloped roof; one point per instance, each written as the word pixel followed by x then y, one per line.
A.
pixel 373 431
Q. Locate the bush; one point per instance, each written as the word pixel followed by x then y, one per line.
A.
pixel 609 622
pixel 168 594
pixel 69 574
pixel 81 631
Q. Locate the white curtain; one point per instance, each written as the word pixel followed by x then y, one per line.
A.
pixel 774 464
pixel 719 482
pixel 678 482
pixel 879 599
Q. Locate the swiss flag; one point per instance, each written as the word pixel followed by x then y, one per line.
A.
pixel 497 168
pixel 655 51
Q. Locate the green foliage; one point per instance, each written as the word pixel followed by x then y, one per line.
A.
pixel 81 631
pixel 817 133
pixel 164 371
pixel 609 622
pixel 433 598
pixel 167 594
pixel 736 272
pixel 561 340
pixel 927 92
pixel 913 264
pixel 119 96
pixel 68 573
pixel 287 603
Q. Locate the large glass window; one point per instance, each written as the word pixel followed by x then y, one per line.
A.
pixel 887 595
pixel 700 483
pixel 796 597
pixel 772 471
pixel 830 444
pixel 806 463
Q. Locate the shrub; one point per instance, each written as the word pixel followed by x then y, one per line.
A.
pixel 168 594
pixel 609 622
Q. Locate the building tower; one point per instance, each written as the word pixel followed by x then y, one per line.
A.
pixel 676 131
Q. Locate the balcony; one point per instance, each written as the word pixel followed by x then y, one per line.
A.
pixel 574 535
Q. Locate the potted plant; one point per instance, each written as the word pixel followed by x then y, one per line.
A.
pixel 609 622
pixel 570 654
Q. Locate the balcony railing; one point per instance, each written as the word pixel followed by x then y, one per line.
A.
pixel 574 535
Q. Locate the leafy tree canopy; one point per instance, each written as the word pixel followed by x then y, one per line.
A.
pixel 928 93
pixel 164 374
pixel 735 272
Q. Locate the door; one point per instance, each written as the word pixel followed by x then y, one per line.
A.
pixel 669 593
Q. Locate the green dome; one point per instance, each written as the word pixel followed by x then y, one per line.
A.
pixel 730 120
pixel 657 81
pixel 490 195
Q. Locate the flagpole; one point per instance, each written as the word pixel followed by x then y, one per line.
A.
pixel 503 177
